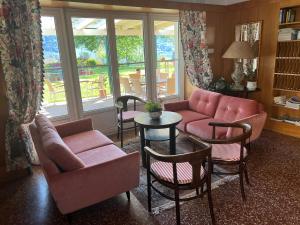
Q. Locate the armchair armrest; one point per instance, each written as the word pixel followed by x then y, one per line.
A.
pixel 177 106
pixel 74 127
pixel 80 188
pixel 256 121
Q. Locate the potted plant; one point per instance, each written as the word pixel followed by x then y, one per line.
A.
pixel 154 109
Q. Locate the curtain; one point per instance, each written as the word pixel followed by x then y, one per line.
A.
pixel 22 62
pixel 195 50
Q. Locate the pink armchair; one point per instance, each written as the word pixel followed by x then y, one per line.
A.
pixel 89 168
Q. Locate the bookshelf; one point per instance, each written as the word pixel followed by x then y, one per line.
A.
pixel 286 80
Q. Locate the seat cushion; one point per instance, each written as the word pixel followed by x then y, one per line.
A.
pixel 164 171
pixel 232 108
pixel 187 117
pixel 202 130
pixel 100 155
pixel 128 115
pixel 204 102
pixel 227 152
pixel 86 140
pixel 59 152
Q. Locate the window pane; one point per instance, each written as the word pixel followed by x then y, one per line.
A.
pixel 91 46
pixel 54 103
pixel 130 51
pixel 166 40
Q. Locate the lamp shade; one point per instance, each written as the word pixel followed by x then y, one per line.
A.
pixel 239 50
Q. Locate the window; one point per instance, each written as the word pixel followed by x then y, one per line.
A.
pixel 91 47
pixel 130 52
pixel 166 45
pixel 54 102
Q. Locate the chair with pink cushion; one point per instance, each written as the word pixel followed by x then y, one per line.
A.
pixel 125 115
pixel 232 151
pixel 181 172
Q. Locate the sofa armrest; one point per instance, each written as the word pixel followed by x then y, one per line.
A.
pixel 77 189
pixel 74 127
pixel 257 122
pixel 177 106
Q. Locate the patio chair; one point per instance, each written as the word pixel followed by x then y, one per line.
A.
pixel 136 76
pixel 98 85
pixel 138 88
pixel 181 172
pixel 124 82
pixel 54 89
pixel 125 115
pixel 232 151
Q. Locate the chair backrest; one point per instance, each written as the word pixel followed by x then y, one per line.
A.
pixel 50 86
pixel 124 101
pixel 135 76
pixel 163 76
pixel 124 81
pixel 171 88
pixel 101 82
pixel 197 158
pixel 137 87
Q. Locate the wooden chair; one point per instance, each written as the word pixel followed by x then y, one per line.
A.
pixel 138 88
pixel 171 86
pixel 98 85
pixel 125 115
pixel 181 172
pixel 136 76
pixel 54 89
pixel 124 81
pixel 232 151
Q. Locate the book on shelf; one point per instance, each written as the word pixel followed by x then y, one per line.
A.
pixel 287 16
pixel 287 34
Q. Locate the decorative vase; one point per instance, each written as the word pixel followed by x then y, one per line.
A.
pixel 155 115
pixel 237 76
pixel 251 85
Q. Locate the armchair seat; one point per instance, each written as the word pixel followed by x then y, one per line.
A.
pixel 227 152
pixel 86 140
pixel 128 115
pixel 189 116
pixel 100 155
pixel 164 171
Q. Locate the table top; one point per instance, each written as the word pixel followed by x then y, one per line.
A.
pixel 166 120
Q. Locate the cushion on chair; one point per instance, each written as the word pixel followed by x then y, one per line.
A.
pixel 164 171
pixel 187 117
pixel 201 129
pixel 128 115
pixel 227 152
pixel 100 155
pixel 204 102
pixel 86 140
pixel 58 151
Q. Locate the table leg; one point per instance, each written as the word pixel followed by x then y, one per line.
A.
pixel 173 140
pixel 142 138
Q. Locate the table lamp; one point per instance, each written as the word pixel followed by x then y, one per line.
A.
pixel 239 50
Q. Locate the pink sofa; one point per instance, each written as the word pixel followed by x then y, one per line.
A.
pixel 204 107
pixel 81 165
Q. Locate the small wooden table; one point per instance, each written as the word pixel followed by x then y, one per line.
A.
pixel 167 120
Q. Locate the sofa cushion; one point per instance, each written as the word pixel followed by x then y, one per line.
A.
pixel 201 129
pixel 227 152
pixel 204 102
pixel 58 151
pixel 43 122
pixel 187 117
pixel 100 155
pixel 232 108
pixel 86 140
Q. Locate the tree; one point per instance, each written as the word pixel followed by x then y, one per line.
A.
pixel 130 49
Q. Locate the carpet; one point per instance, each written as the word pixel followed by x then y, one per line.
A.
pixel 159 203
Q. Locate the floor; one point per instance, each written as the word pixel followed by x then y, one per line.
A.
pixel 273 198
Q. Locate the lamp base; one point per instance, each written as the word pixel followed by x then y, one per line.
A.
pixel 237 76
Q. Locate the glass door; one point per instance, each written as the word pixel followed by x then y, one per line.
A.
pixel 130 57
pixel 92 51
pixel 166 45
pixel 54 101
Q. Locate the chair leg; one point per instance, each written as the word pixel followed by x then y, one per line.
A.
pixel 246 174
pixel 135 128
pixel 177 206
pixel 149 191
pixel 197 191
pixel 128 195
pixel 121 129
pixel 241 174
pixel 69 218
pixel 210 204
pixel 118 134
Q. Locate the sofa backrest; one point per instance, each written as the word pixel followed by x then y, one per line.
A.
pixel 232 108
pixel 204 102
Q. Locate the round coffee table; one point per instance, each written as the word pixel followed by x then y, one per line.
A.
pixel 167 120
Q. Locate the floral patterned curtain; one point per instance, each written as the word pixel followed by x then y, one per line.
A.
pixel 195 50
pixel 22 62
